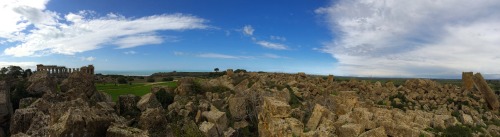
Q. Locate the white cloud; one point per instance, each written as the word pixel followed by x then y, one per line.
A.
pixel 82 31
pixel 24 65
pixel 271 45
pixel 277 38
pixel 413 38
pixel 273 56
pixel 130 52
pixel 87 58
pixel 248 30
pixel 177 53
pixel 215 55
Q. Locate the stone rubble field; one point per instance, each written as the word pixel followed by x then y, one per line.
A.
pixel 257 104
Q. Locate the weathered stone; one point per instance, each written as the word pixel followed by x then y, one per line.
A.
pixel 25 102
pixel 79 85
pixel 218 118
pixel 237 107
pixel 330 78
pixel 439 121
pixel 466 119
pixel 209 129
pixel 229 72
pixel 316 116
pixel 41 83
pixel 296 126
pixel 467 81
pixel 350 130
pixel 154 121
pixel 377 132
pixel 81 122
pixel 240 124
pixel 127 104
pixel 22 119
pixel 184 86
pixel 275 108
pixel 345 101
pixel 488 94
pixel 123 131
pixel 229 133
pixel 148 101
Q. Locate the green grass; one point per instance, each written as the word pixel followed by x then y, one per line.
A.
pixel 138 89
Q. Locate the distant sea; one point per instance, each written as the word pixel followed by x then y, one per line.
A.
pixel 139 72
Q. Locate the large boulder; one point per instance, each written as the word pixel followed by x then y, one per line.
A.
pixel 218 118
pixel 272 117
pixel 488 94
pixel 127 105
pixel 185 86
pixel 22 119
pixel 40 83
pixel 154 121
pixel 345 101
pixel 237 107
pixel 148 101
pixel 5 106
pixel 82 122
pixel 316 117
pixel 209 129
pixel 81 85
pixel 350 130
pixel 123 131
pixel 377 132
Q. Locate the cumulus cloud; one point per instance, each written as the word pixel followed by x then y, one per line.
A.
pixel 87 58
pixel 271 45
pixel 424 38
pixel 248 30
pixel 82 31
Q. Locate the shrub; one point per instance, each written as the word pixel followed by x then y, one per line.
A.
pixel 168 79
pixel 141 77
pixel 164 97
pixel 122 80
pixel 151 80
pixel 130 79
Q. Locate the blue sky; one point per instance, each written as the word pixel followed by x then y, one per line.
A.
pixel 343 37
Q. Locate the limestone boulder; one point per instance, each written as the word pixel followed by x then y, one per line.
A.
pixel 295 125
pixel 79 85
pixel 148 101
pixel 209 129
pixel 185 86
pixel 25 102
pixel 154 121
pixel 350 130
pixel 123 131
pixel 316 117
pixel 22 119
pixel 237 107
pixel 377 132
pixel 488 94
pixel 126 105
pixel 345 101
pixel 40 83
pixel 275 108
pixel 466 119
pixel 82 122
pixel 218 118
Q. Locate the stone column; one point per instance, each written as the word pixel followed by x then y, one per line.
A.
pixel 467 82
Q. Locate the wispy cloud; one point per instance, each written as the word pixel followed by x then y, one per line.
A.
pixel 177 53
pixel 248 30
pixel 216 55
pixel 130 52
pixel 271 45
pixel 280 38
pixel 413 38
pixel 82 31
pixel 274 56
pixel 87 58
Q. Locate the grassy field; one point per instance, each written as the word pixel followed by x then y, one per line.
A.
pixel 138 89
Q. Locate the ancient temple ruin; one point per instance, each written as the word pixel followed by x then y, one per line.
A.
pixel 63 71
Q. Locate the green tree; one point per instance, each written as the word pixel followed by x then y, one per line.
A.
pixel 151 80
pixel 164 97
pixel 15 71
pixel 216 69
pixel 168 79
pixel 122 80
pixel 240 70
pixel 4 70
pixel 27 73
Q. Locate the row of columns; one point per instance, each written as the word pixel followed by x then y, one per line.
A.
pixel 59 70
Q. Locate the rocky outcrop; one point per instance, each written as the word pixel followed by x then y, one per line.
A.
pixel 40 83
